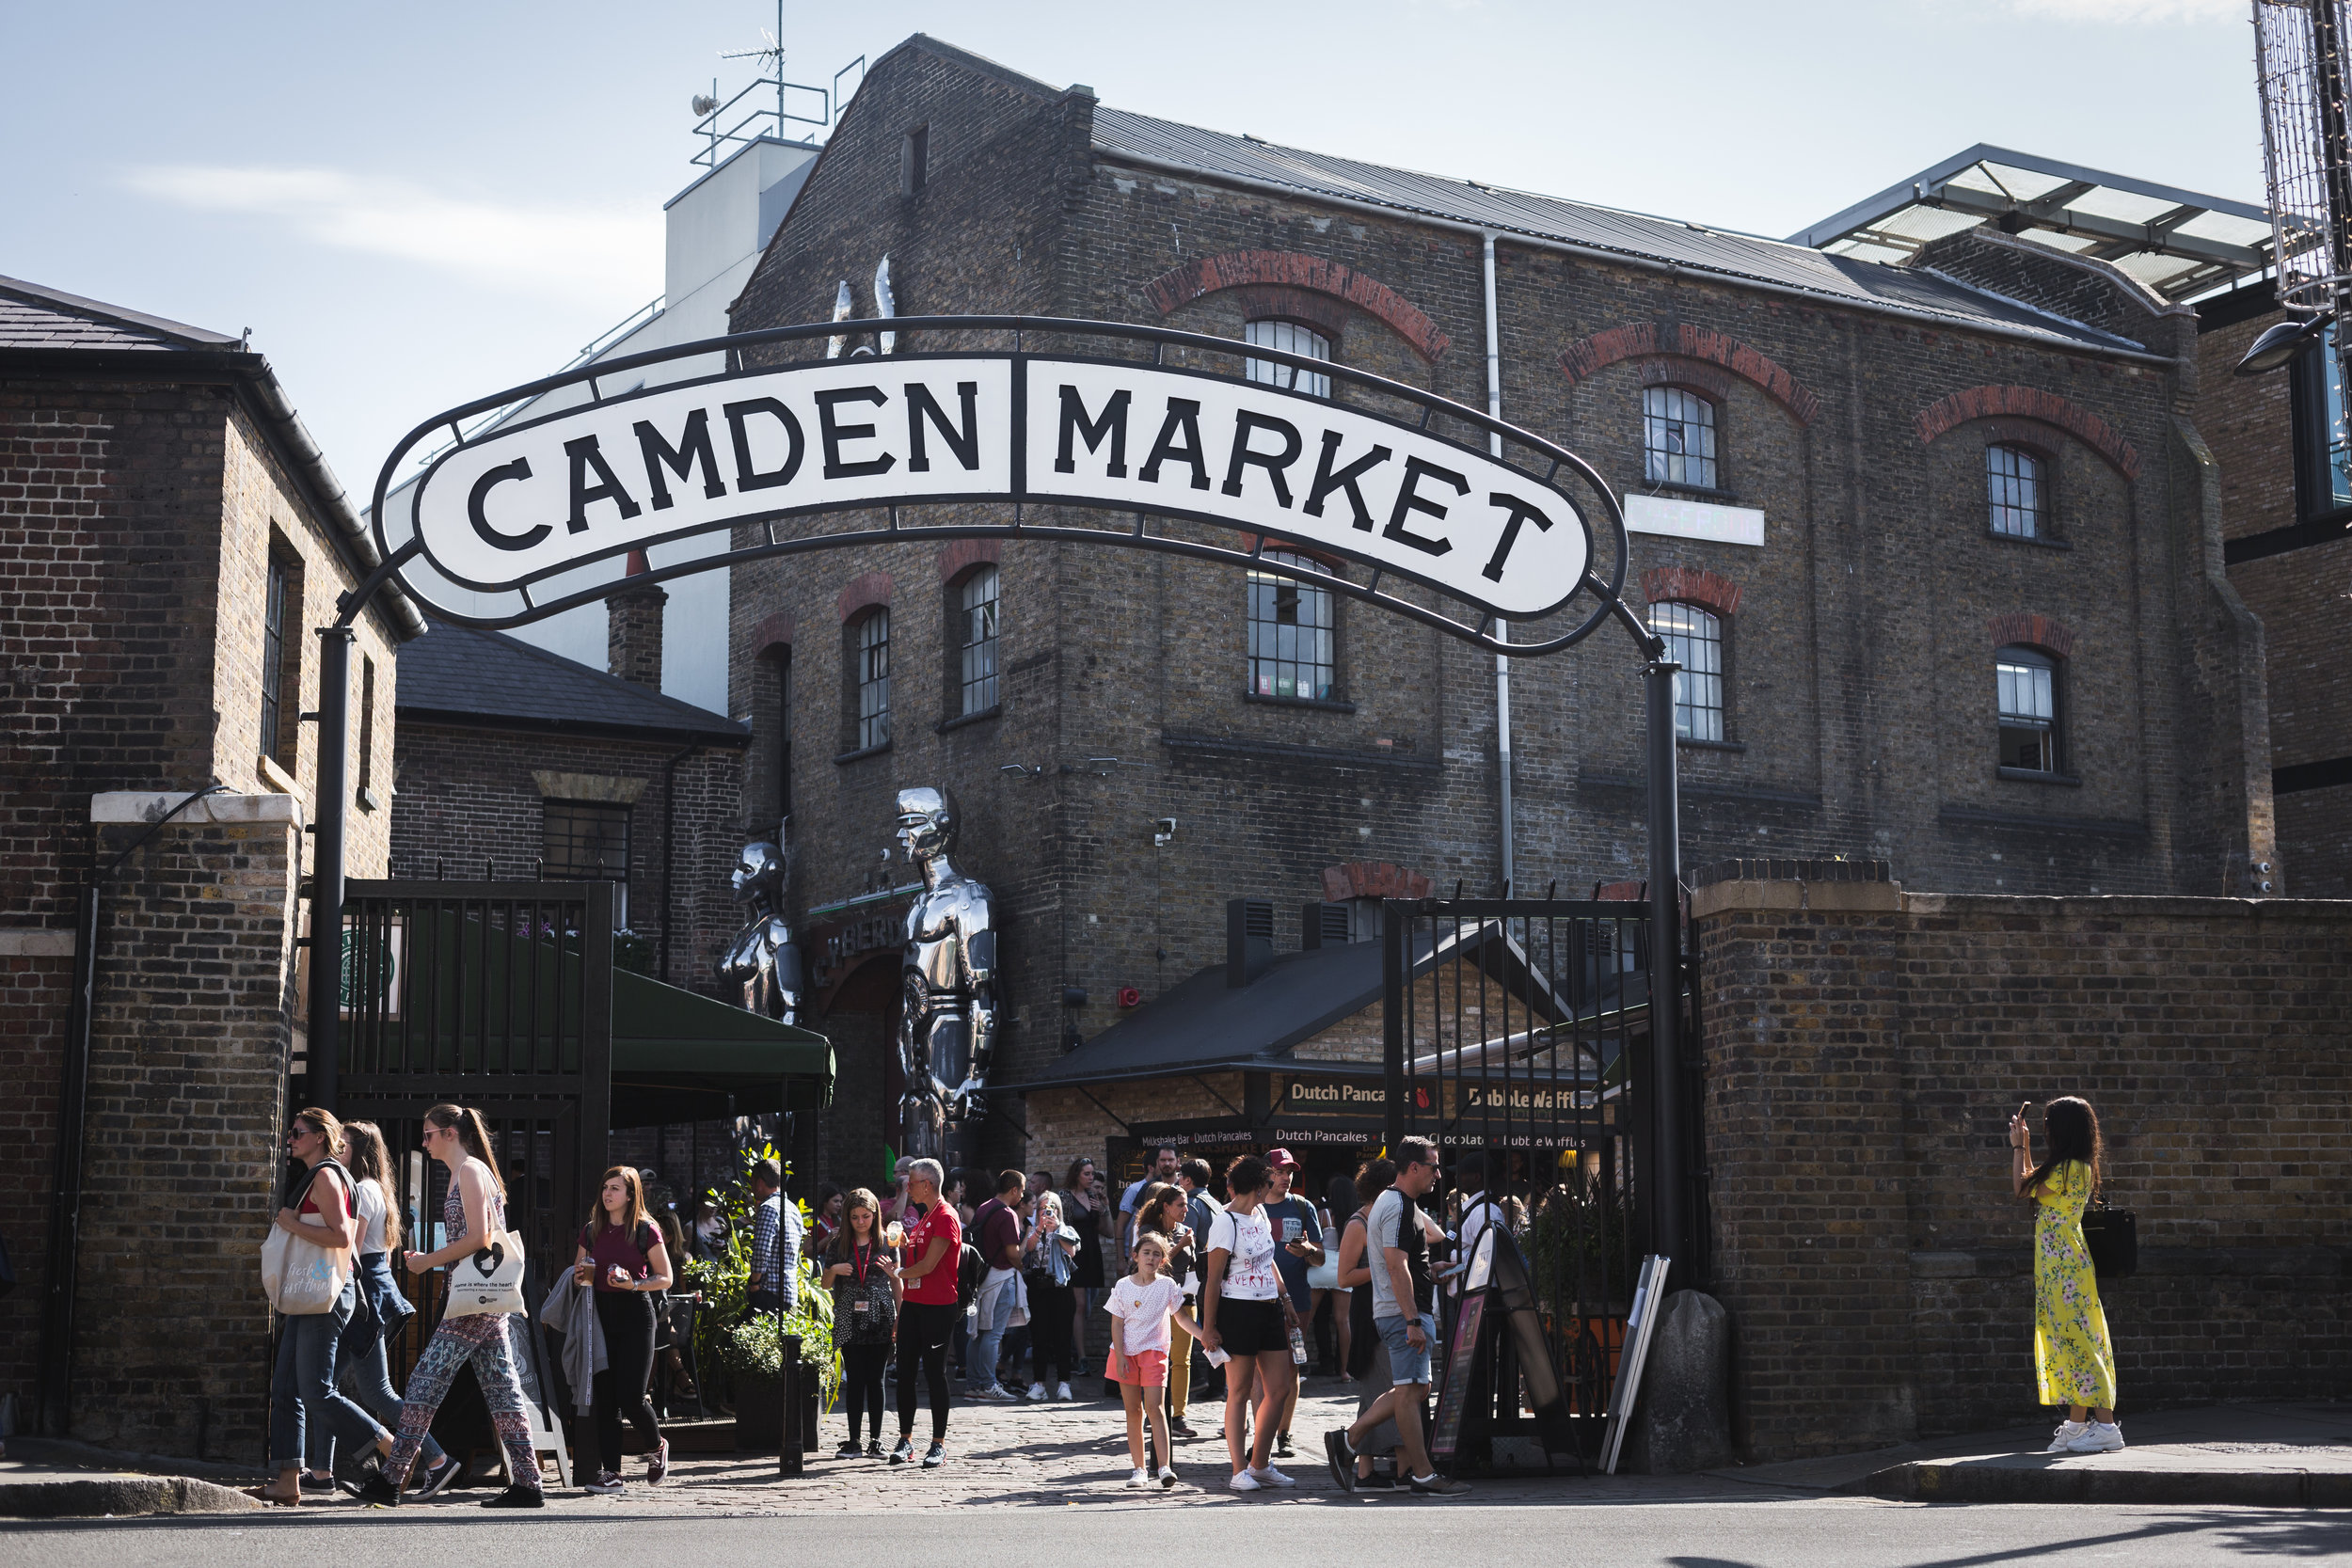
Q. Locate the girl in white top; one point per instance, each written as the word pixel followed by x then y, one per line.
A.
pixel 1145 1302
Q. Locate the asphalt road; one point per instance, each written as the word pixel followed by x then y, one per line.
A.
pixel 1770 1531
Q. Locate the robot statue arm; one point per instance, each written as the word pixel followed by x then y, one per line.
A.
pixel 976 957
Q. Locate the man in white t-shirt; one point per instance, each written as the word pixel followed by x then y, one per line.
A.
pixel 1401 1296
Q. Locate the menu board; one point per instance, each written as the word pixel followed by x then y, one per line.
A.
pixel 1461 1357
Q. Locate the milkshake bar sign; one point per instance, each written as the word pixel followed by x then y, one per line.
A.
pixel 538 498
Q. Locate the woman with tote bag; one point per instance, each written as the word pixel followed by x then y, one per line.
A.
pixel 473 1327
pixel 305 1267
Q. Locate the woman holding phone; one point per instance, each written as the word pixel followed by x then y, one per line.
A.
pixel 623 1255
pixel 2073 1358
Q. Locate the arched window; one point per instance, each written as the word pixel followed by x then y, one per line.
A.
pixel 1695 640
pixel 1290 633
pixel 1678 437
pixel 2013 479
pixel 869 678
pixel 1289 337
pixel 2027 683
pixel 975 623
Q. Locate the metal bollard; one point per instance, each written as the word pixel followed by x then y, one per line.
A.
pixel 789 1463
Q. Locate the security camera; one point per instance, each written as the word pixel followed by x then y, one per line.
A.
pixel 1162 832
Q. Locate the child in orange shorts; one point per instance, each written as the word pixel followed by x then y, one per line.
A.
pixel 1145 1302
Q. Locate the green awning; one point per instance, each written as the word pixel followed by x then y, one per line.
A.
pixel 677 1056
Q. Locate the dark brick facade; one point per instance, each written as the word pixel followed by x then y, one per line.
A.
pixel 1861 689
pixel 1864 1050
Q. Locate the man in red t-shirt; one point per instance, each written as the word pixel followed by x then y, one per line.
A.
pixel 927 1319
pixel 996 1232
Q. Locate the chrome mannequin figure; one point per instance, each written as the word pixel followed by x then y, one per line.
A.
pixel 947 1025
pixel 763 958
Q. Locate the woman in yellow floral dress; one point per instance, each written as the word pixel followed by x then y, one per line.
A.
pixel 2074 1359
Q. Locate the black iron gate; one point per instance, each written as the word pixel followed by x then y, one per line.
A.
pixel 1519 1032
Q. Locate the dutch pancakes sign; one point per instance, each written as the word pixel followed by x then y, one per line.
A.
pixel 537 499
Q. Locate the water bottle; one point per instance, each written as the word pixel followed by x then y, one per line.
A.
pixel 1299 1345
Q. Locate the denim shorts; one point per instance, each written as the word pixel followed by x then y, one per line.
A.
pixel 1406 1364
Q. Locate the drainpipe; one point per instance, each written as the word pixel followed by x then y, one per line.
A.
pixel 669 855
pixel 1503 627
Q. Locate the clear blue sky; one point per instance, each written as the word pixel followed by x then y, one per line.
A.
pixel 413 205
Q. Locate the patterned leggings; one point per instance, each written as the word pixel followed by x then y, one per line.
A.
pixel 482 1340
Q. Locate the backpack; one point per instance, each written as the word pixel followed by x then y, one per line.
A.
pixel 970 1270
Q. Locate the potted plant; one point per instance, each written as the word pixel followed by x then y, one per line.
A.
pixel 751 1353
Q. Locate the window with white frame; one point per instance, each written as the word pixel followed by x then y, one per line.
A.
pixel 2027 688
pixel 870 679
pixel 1291 626
pixel 1287 338
pixel 1678 437
pixel 2013 489
pixel 1695 640
pixel 975 642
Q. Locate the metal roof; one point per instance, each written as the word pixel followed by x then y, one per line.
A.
pixel 465 676
pixel 1778 264
pixel 2178 243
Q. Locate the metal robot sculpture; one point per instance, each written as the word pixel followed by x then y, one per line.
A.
pixel 948 1026
pixel 763 958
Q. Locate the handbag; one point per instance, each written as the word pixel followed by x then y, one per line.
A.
pixel 488 1280
pixel 300 1277
pixel 2111 1236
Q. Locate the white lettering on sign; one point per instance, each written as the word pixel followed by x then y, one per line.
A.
pixel 538 498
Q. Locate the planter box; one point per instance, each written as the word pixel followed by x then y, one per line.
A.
pixel 758 1414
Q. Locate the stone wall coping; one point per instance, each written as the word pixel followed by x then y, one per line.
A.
pixel 1722 897
pixel 34 941
pixel 141 805
pixel 1728 897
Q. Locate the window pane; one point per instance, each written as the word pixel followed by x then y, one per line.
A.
pixel 1678 437
pixel 1695 640
pixel 2026 692
pixel 584 841
pixel 978 606
pixel 1290 633
pixel 2339 449
pixel 873 680
pixel 1289 337
pixel 273 655
pixel 2013 487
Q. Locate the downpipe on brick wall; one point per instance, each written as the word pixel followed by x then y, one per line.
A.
pixel 53 1410
pixel 669 850
pixel 1503 629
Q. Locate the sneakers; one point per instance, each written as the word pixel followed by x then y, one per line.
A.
pixel 518 1496
pixel 607 1484
pixel 1180 1430
pixel 428 1481
pixel 379 1491
pixel 874 1449
pixel 1061 1391
pixel 2099 1438
pixel 1244 1482
pixel 1272 1477
pixel 847 1450
pixel 1167 1477
pixel 935 1456
pixel 1138 1476
pixel 317 1484
pixel 2061 1440
pixel 658 1463
pixel 1283 1446
pixel 1342 1458
pixel 1037 1393
pixel 1376 1482
pixel 904 1451
pixel 995 1393
pixel 1434 1486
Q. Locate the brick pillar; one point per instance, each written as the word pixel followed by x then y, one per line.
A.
pixel 633 639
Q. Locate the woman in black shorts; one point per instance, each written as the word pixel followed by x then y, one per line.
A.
pixel 1240 1313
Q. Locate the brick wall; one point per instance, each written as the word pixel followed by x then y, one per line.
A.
pixel 1863 1049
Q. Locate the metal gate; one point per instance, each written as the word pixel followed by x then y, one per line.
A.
pixel 1520 1030
pixel 498 996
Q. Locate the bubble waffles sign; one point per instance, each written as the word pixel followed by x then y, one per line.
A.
pixel 536 498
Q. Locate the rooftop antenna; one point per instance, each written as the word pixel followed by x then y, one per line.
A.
pixel 771 59
pixel 2300 66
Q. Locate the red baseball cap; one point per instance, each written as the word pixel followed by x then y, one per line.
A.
pixel 1280 1159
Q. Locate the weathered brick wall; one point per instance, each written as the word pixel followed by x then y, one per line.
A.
pixel 1863 1049
pixel 468 802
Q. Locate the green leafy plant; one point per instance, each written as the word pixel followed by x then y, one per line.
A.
pixel 1576 1248
pixel 747 1347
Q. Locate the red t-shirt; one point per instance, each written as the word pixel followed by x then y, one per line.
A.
pixel 937 1288
pixel 999 1229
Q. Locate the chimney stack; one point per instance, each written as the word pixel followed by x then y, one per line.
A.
pixel 632 639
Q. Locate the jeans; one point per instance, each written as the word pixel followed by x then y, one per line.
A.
pixel 980 1362
pixel 1406 1365
pixel 302 1385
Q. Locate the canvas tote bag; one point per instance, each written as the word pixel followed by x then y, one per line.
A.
pixel 300 1277
pixel 488 1280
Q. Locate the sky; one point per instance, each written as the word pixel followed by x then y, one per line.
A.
pixel 414 206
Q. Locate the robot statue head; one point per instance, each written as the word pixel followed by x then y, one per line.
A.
pixel 927 823
pixel 760 872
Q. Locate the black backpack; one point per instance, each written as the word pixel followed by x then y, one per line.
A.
pixel 970 1270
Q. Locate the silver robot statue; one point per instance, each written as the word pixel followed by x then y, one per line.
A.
pixel 763 958
pixel 948 1026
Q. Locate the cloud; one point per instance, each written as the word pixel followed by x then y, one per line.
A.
pixel 593 253
pixel 2130 11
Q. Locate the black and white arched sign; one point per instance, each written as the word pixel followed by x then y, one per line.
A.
pixel 538 498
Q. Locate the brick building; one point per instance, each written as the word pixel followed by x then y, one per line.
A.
pixel 2286 520
pixel 519 764
pixel 171 536
pixel 2051 691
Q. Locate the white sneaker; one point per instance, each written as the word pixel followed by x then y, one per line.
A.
pixel 995 1393
pixel 1061 1391
pixel 1037 1392
pixel 1139 1477
pixel 1244 1482
pixel 2102 1437
pixel 2062 1440
pixel 1167 1477
pixel 1272 1477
